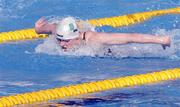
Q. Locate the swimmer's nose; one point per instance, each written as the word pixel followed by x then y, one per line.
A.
pixel 62 43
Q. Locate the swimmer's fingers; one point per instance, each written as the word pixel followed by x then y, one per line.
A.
pixel 41 22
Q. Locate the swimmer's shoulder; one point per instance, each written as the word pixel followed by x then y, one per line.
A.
pixel 90 36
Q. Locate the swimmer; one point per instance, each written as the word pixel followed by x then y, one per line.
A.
pixel 70 32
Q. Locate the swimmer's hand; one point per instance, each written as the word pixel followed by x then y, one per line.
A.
pixel 167 43
pixel 165 46
pixel 43 27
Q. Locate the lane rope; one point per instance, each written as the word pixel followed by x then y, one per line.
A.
pixel 25 34
pixel 126 20
pixel 91 87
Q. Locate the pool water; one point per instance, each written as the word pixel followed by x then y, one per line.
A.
pixel 28 66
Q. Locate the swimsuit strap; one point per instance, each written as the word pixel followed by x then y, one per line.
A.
pixel 84 36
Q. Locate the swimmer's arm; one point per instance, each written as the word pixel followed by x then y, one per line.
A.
pixel 110 38
pixel 124 38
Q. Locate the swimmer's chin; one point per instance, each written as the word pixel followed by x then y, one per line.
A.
pixel 68 49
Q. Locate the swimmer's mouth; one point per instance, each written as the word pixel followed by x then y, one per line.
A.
pixel 63 47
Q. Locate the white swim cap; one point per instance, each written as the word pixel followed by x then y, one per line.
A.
pixel 67 29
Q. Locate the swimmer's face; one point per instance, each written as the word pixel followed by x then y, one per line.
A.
pixel 67 44
pixel 64 43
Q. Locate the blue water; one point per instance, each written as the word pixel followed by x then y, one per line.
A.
pixel 26 67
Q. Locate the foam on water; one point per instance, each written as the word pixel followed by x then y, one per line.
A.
pixel 16 83
pixel 80 77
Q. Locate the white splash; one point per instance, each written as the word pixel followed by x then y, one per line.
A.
pixel 174 50
pixel 80 77
pixel 16 83
pixel 49 46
